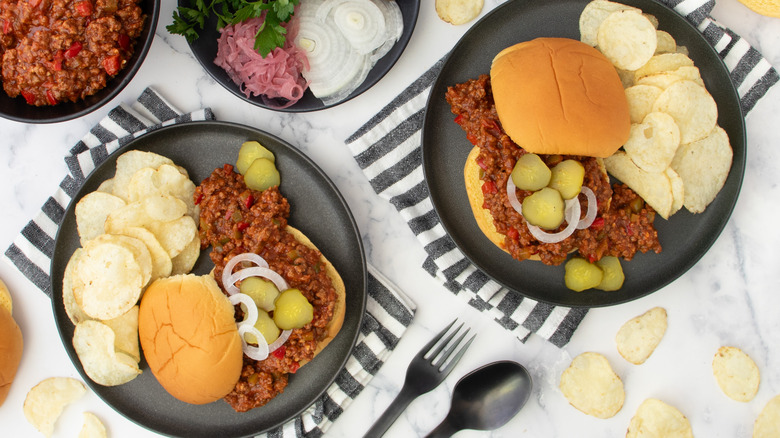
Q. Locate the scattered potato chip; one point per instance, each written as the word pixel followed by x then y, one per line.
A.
pixel 186 259
pixel 91 212
pixel 5 298
pixel 736 373
pixel 678 190
pixel 106 186
pixel 651 145
pixel 770 8
pixel 72 308
pixel 94 345
pixel 654 188
pixel 692 107
pixel 140 251
pixel 767 424
pixel 703 166
pixel 174 235
pixel 652 19
pixel 130 162
pixel 108 280
pixel 640 99
pixel 656 419
pixel 458 11
pixel 660 80
pixel 662 63
pixel 161 261
pixel 591 386
pixel 638 337
pixel 164 180
pixel 46 400
pixel 125 328
pixel 665 42
pixel 593 14
pixel 627 39
pixel 92 427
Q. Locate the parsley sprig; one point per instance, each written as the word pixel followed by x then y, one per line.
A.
pixel 189 21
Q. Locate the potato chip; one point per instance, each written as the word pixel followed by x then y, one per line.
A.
pixel 767 424
pixel 655 418
pixel 46 400
pixel 678 190
pixel 164 208
pixel 640 99
pixel 94 345
pixel 627 39
pixel 72 309
pixel 651 144
pixel 664 62
pixel 91 212
pixel 131 215
pixel 665 42
pixel 736 373
pixel 703 166
pixel 106 186
pixel 591 386
pixel 654 188
pixel 108 280
pixel 186 259
pixel 660 80
pixel 174 235
pixel 92 427
pixel 692 107
pixel 140 251
pixel 593 14
pixel 161 261
pixel 130 162
pixel 458 11
pixel 165 180
pixel 125 328
pixel 638 337
pixel 5 298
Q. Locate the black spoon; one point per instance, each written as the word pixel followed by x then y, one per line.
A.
pixel 486 398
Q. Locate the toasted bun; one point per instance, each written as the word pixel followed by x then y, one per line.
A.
pixel 11 345
pixel 188 333
pixel 338 284
pixel 560 96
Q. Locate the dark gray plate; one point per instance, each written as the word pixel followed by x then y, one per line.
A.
pixel 685 237
pixel 17 109
pixel 205 50
pixel 317 209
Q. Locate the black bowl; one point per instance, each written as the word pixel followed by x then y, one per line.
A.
pixel 17 109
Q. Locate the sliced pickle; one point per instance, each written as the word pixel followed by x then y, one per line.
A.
pixel 613 273
pixel 261 175
pixel 544 208
pixel 249 152
pixel 266 326
pixel 530 173
pixel 293 310
pixel 262 291
pixel 567 177
pixel 580 274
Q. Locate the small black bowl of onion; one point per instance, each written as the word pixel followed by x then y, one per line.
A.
pixel 333 51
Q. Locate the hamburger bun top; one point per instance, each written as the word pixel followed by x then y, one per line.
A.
pixel 188 333
pixel 560 96
pixel 11 344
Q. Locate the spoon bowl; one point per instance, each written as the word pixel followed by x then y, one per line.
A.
pixel 486 398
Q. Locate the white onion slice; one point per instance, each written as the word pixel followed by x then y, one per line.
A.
pixel 590 215
pixel 573 211
pixel 360 21
pixel 250 308
pixel 258 271
pixel 256 352
pixel 279 341
pixel 512 195
pixel 228 271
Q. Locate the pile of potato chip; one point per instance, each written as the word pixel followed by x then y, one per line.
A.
pixel 676 154
pixel 46 401
pixel 138 226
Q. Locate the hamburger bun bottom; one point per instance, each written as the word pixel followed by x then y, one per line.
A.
pixel 11 345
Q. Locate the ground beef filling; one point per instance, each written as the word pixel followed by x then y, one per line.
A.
pixel 624 223
pixel 56 51
pixel 234 220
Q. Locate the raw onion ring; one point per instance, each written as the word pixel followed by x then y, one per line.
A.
pixel 250 313
pixel 256 352
pixel 590 215
pixel 279 341
pixel 228 271
pixel 258 271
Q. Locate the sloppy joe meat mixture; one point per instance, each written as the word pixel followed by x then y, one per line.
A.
pixel 624 223
pixel 56 51
pixel 235 220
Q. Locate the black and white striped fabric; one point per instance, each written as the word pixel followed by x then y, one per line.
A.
pixel 387 149
pixel 388 311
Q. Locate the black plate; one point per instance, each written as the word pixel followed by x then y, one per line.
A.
pixel 317 209
pixel 17 109
pixel 685 237
pixel 205 50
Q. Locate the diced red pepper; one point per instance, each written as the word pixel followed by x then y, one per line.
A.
pixel 34 3
pixel 124 41
pixel 472 138
pixel 74 49
pixel 279 352
pixel 481 164
pixel 199 199
pixel 111 65
pixel 84 8
pixel 489 187
pixel 512 233
pixel 249 201
pixel 29 97
pixel 56 64
pixel 294 367
pixel 242 226
pixel 7 27
pixel 592 258
pixel 459 119
pixel 598 223
pixel 50 98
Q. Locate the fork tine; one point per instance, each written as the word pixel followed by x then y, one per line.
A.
pixel 454 361
pixel 443 344
pixel 427 348
pixel 438 363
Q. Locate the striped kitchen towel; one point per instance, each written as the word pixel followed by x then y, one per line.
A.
pixel 388 311
pixel 387 149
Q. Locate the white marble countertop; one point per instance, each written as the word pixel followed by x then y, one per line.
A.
pixel 728 298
